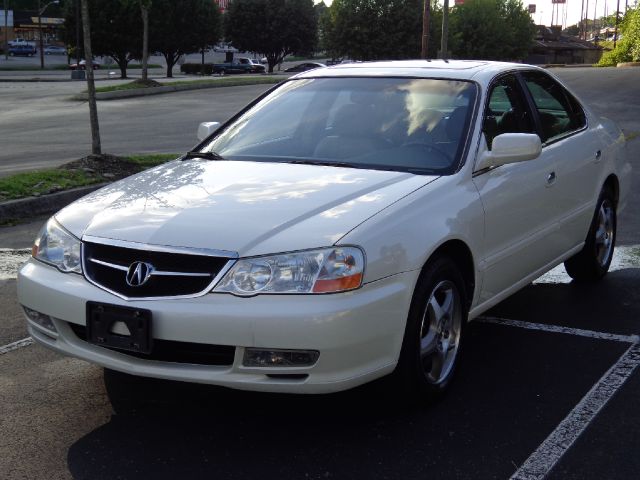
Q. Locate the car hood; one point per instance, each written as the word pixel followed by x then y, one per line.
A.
pixel 250 208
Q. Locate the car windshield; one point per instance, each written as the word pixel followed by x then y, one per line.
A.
pixel 404 124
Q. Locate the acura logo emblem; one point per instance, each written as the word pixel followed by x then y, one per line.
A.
pixel 139 273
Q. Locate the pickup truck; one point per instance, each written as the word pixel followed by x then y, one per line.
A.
pixel 22 51
pixel 239 65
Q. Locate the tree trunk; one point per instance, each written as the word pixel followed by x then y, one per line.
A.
pixel 123 69
pixel 145 40
pixel 171 60
pixel 91 86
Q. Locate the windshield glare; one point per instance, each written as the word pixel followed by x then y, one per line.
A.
pixel 404 124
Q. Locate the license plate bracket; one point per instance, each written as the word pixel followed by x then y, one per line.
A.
pixel 103 317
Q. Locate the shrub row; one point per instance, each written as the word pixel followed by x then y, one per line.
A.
pixel 197 69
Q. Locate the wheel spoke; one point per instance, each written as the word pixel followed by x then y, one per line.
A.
pixel 447 304
pixel 428 344
pixel 438 312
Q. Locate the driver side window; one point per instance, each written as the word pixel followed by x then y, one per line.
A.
pixel 506 111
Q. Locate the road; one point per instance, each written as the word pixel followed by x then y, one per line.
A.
pixel 41 127
pixel 550 369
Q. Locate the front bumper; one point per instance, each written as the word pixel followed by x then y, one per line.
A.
pixel 358 333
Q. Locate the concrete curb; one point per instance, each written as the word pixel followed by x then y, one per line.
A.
pixel 45 204
pixel 565 65
pixel 143 92
pixel 628 64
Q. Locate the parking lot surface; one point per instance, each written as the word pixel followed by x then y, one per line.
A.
pixel 548 388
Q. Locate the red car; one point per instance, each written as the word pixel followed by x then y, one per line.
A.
pixel 83 65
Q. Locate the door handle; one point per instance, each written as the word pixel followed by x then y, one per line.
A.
pixel 598 155
pixel 551 178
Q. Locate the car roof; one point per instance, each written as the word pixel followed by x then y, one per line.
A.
pixel 479 70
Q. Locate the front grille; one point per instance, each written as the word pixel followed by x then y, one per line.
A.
pixel 175 352
pixel 173 274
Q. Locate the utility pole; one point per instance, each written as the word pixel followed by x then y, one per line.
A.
pixel 615 32
pixel 595 31
pixel 586 18
pixel 581 24
pixel 425 29
pixel 445 30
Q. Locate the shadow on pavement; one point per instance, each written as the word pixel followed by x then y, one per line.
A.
pixel 513 388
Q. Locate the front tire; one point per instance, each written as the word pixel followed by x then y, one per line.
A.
pixel 593 261
pixel 433 335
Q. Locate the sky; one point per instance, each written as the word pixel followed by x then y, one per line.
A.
pixel 544 9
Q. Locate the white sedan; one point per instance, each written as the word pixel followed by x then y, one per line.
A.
pixel 344 226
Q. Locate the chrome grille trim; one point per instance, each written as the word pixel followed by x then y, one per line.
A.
pixel 232 258
pixel 153 272
pixel 209 252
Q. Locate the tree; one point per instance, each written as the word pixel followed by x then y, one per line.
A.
pixel 573 30
pixel 183 27
pixel 114 30
pixel 628 47
pixel 276 28
pixel 96 147
pixel 379 29
pixel 491 30
pixel 145 5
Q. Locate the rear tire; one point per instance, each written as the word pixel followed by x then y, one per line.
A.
pixel 433 335
pixel 593 261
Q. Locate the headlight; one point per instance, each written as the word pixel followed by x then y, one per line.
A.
pixel 57 247
pixel 314 271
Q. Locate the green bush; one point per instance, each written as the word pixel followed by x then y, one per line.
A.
pixel 197 68
pixel 628 48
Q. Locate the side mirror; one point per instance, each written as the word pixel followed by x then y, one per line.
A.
pixel 207 128
pixel 510 148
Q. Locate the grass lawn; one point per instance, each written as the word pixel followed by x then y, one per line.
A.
pixel 41 182
pixel 213 83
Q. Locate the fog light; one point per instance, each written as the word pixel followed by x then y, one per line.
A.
pixel 40 318
pixel 257 357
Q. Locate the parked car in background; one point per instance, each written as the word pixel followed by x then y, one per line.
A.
pixel 239 65
pixel 303 67
pixel 225 47
pixel 54 50
pixel 343 227
pixel 21 42
pixel 83 65
pixel 22 50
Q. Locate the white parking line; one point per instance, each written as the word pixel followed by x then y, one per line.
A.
pixel 559 329
pixel 16 345
pixel 625 256
pixel 549 453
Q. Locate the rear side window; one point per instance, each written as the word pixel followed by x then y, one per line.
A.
pixel 559 112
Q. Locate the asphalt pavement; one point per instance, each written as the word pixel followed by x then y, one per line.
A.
pixel 548 386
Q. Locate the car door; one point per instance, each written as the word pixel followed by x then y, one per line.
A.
pixel 517 198
pixel 576 151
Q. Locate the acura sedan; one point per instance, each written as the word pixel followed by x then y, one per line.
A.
pixel 344 226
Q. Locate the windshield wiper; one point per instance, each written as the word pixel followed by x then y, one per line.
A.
pixel 205 155
pixel 324 163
